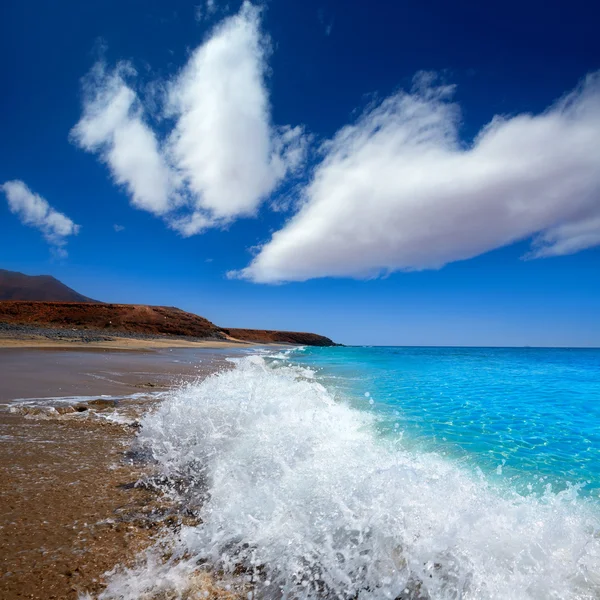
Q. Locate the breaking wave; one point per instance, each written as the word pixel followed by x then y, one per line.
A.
pixel 300 498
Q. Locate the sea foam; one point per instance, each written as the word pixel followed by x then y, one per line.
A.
pixel 301 498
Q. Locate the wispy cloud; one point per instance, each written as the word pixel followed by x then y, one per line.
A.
pixel 398 191
pixel 326 24
pixel 205 10
pixel 113 126
pixel 118 228
pixel 33 210
pixel 223 157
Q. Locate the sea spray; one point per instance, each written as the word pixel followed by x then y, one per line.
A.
pixel 300 498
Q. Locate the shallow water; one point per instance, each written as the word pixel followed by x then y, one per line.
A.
pixel 383 473
pixel 528 415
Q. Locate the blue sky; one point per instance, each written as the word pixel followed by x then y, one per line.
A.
pixel 318 166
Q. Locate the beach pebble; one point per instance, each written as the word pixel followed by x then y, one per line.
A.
pixel 102 403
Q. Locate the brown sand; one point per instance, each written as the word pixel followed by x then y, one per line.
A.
pixel 66 518
pixel 117 343
pixel 69 510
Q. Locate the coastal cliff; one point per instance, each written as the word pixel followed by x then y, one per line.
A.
pixel 266 336
pixel 139 319
pixel 41 301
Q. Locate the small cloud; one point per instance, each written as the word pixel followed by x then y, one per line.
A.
pixel 208 260
pixel 118 228
pixel 325 22
pixel 205 10
pixel 34 211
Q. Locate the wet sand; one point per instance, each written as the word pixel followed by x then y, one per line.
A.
pixel 70 511
pixel 50 372
pixel 68 515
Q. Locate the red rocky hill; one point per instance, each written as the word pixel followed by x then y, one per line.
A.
pixel 43 301
pixel 125 318
pixel 266 336
pixel 140 319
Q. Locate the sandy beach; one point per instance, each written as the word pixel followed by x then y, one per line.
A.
pixel 116 344
pixel 55 338
pixel 67 476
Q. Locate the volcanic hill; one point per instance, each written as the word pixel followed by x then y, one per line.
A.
pixel 32 304
pixel 18 286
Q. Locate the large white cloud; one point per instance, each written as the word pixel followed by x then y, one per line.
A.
pixel 398 191
pixel 223 157
pixel 33 210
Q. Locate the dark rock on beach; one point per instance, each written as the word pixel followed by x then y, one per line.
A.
pixel 102 403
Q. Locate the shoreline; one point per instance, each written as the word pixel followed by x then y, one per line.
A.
pixel 73 511
pixel 39 336
pixel 32 336
pixel 120 343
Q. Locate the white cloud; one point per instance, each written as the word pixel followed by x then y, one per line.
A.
pixel 568 238
pixel 223 157
pixel 398 191
pixel 33 210
pixel 112 125
pixel 223 144
pixel 205 10
pixel 118 228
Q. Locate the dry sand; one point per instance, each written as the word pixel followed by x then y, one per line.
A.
pixel 118 343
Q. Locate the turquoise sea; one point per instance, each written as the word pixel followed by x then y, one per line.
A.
pixel 359 473
pixel 527 416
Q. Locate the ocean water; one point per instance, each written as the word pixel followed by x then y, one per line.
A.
pixel 401 473
pixel 531 416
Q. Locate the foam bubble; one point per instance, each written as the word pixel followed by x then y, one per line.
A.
pixel 298 492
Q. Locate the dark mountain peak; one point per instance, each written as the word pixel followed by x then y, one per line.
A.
pixel 42 288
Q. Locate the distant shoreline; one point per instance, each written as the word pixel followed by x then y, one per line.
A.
pixel 117 343
pixel 31 336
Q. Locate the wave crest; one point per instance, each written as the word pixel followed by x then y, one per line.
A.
pixel 300 498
